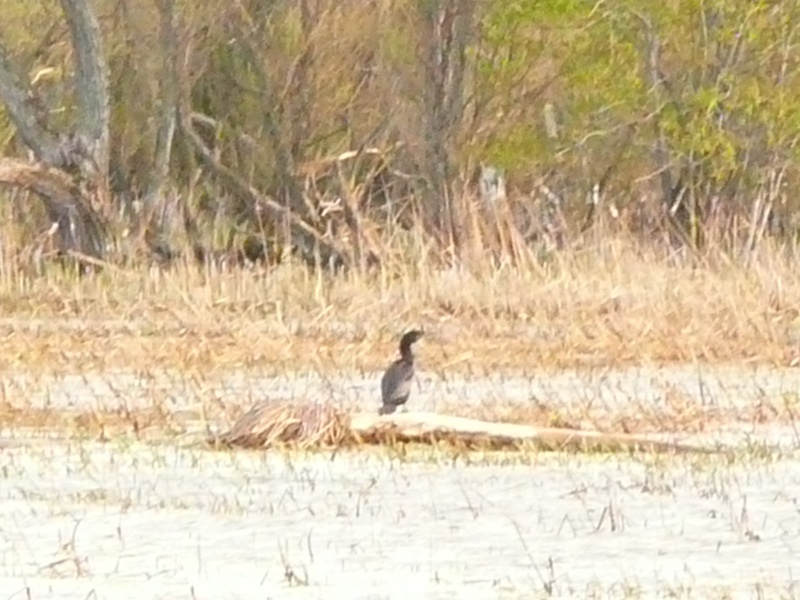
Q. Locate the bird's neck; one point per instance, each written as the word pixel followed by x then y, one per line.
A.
pixel 406 356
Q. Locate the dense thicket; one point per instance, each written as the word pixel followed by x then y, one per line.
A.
pixel 335 128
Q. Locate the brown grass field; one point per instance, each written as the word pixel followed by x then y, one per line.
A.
pixel 607 305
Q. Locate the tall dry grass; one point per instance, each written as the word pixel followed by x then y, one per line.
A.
pixel 609 299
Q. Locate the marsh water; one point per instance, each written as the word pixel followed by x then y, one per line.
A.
pixel 726 386
pixel 122 519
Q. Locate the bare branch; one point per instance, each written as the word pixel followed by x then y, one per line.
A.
pixel 21 107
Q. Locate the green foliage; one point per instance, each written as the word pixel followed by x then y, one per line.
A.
pixel 590 62
pixel 517 150
pixel 726 85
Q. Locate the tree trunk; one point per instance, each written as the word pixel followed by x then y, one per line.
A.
pixel 71 173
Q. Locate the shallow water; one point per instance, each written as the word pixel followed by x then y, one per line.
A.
pixel 128 520
pixel 84 520
pixel 716 386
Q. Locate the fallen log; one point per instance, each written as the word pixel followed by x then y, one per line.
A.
pixel 316 425
pixel 421 427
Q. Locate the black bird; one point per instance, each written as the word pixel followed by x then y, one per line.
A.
pixel 396 382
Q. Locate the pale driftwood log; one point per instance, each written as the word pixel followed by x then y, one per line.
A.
pixel 419 426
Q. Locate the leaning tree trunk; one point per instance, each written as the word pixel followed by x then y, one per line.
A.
pixel 70 172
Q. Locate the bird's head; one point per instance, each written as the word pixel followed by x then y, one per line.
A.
pixel 410 337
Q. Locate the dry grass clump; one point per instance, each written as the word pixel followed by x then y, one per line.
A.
pixel 101 425
pixel 303 425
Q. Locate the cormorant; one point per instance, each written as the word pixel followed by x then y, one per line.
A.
pixel 396 381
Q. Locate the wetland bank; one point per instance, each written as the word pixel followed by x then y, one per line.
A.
pixel 111 383
pixel 152 512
